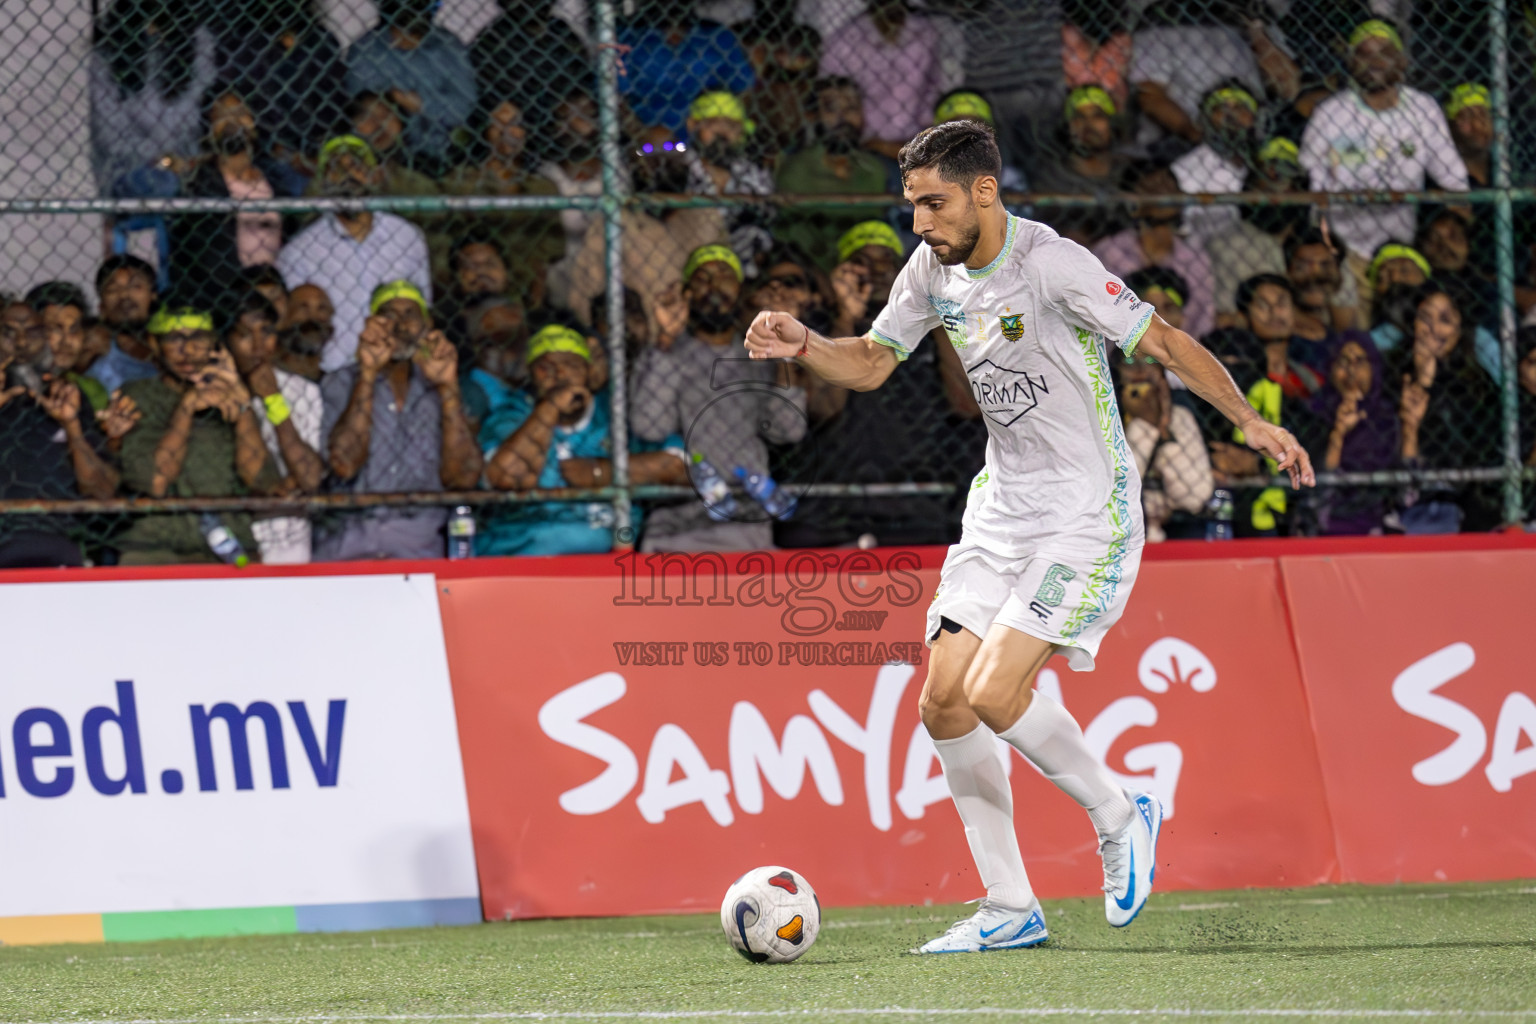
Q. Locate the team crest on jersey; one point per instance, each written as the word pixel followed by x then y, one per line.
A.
pixel 953 318
pixel 1012 326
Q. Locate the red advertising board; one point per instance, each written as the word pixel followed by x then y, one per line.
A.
pixel 632 745
pixel 1419 671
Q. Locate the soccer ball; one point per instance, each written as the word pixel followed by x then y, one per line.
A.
pixel 771 915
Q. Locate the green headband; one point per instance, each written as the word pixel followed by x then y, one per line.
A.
pixel 1468 94
pixel 1280 150
pixel 870 232
pixel 711 254
pixel 718 104
pixel 1397 251
pixel 963 104
pixel 1174 296
pixel 555 338
pixel 351 143
pixel 1231 94
pixel 1090 95
pixel 182 318
pixel 396 290
pixel 1375 29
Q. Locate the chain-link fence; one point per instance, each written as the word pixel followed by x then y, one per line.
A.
pixel 339 279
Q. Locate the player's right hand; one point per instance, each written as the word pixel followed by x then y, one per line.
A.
pixel 775 336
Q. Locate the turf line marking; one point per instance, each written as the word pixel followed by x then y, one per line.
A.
pixel 1203 906
pixel 885 1011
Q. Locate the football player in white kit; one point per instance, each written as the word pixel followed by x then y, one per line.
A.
pixel 1052 533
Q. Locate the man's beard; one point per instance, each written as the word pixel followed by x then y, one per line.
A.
pixel 840 141
pixel 347 188
pixel 306 338
pixel 406 342
pixel 134 325
pixel 1229 144
pixel 234 142
pixel 713 313
pixel 1085 147
pixel 719 153
pixel 1317 286
pixel 41 364
pixel 479 293
pixel 962 247
pixel 580 148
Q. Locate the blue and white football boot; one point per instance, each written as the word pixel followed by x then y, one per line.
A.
pixel 1130 860
pixel 993 926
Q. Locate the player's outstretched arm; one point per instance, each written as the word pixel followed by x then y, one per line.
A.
pixel 856 363
pixel 1206 377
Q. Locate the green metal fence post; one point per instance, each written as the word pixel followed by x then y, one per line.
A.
pixel 1498 24
pixel 613 238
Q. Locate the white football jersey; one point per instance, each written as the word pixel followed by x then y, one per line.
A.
pixel 1030 328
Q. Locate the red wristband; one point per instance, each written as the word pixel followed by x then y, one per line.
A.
pixel 805 346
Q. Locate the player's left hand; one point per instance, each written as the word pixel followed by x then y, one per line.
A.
pixel 1281 445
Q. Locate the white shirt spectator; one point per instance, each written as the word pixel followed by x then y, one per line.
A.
pixel 1349 146
pixel 1188 61
pixel 325 254
pixel 1203 170
pixel 286 540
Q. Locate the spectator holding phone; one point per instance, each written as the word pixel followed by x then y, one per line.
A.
pixel 289 414
pixel 556 433
pixel 394 421
pixel 53 449
pixel 199 437
pixel 1169 450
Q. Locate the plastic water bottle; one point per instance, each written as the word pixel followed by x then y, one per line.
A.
pixel 222 541
pixel 712 487
pixel 461 533
pixel 775 500
pixel 1218 515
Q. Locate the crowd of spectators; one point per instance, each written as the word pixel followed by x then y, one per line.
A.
pixel 368 352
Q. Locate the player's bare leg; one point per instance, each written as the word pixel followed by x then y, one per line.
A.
pixel 999 686
pixel 1009 916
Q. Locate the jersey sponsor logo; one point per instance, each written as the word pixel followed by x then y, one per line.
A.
pixel 1012 326
pixel 1005 394
pixel 953 318
pixel 1113 287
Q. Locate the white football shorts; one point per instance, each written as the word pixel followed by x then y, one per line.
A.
pixel 1069 600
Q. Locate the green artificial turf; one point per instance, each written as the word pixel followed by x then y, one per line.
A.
pixel 1420 952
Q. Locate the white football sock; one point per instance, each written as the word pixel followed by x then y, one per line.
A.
pixel 985 801
pixel 1049 736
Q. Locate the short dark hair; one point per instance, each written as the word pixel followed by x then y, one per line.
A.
pixel 258 274
pixel 1158 277
pixel 1138 171
pixel 1314 236
pixel 961 151
pixel 826 83
pixel 1432 214
pixel 248 303
pixel 123 261
pixel 476 236
pixel 57 293
pixel 1250 287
